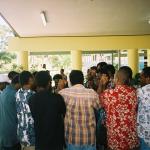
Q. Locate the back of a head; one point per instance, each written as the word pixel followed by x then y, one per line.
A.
pixel 146 72
pixel 34 73
pixel 24 77
pixel 57 77
pixel 15 80
pixel 100 66
pixel 94 68
pixel 109 70
pixel 76 77
pixel 124 75
pixel 62 70
pixel 42 79
pixel 12 74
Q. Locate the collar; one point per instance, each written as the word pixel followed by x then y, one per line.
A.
pixel 25 90
pixel 78 86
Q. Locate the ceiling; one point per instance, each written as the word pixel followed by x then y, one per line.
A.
pixel 77 17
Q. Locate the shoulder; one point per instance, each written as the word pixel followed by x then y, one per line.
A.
pixel 131 88
pixel 91 92
pixel 63 91
pixel 108 92
pixel 139 91
pixel 57 96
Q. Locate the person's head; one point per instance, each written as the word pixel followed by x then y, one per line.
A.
pixel 100 65
pixel 76 77
pixel 44 66
pixel 61 71
pixel 12 74
pixel 26 80
pixel 109 70
pixel 145 76
pixel 56 79
pixel 93 71
pixel 43 80
pixel 123 76
pixel 15 82
pixel 34 73
pixel 2 86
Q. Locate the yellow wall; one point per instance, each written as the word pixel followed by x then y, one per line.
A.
pixel 76 43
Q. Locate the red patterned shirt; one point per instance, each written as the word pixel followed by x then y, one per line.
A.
pixel 120 105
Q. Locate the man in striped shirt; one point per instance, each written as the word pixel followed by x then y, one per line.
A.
pixel 80 123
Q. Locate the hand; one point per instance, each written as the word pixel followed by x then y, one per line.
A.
pixel 104 79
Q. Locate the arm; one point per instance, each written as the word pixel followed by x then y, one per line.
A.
pixel 102 84
pixel 96 102
pixel 31 105
pixel 62 105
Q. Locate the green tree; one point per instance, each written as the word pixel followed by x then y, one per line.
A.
pixel 5 33
pixel 6 58
pixel 60 61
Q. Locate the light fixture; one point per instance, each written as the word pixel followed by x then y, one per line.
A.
pixel 43 17
pixel 149 21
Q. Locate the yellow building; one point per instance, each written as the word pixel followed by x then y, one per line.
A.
pixel 78 26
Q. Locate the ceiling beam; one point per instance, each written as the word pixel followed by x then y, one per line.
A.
pixel 79 43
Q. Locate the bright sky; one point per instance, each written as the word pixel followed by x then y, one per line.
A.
pixel 2 22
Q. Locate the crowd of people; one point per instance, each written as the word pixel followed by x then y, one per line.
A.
pixel 103 110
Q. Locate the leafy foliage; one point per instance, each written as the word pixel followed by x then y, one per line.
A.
pixel 5 33
pixel 6 58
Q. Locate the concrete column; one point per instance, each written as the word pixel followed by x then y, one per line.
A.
pixel 148 57
pixel 23 59
pixel 76 59
pixel 133 60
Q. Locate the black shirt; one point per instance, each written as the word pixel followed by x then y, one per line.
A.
pixel 48 111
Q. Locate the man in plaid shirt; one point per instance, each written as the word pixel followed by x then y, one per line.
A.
pixel 80 123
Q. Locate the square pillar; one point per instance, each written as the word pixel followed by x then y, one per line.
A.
pixel 148 57
pixel 76 59
pixel 133 60
pixel 23 59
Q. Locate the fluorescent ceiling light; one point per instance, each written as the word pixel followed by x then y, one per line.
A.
pixel 43 17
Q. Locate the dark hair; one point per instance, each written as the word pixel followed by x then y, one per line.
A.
pixel 100 66
pixel 34 73
pixel 93 68
pixel 42 79
pixel 12 74
pixel 62 70
pixel 15 80
pixel 57 77
pixel 108 70
pixel 24 77
pixel 146 72
pixel 126 74
pixel 44 66
pixel 76 77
